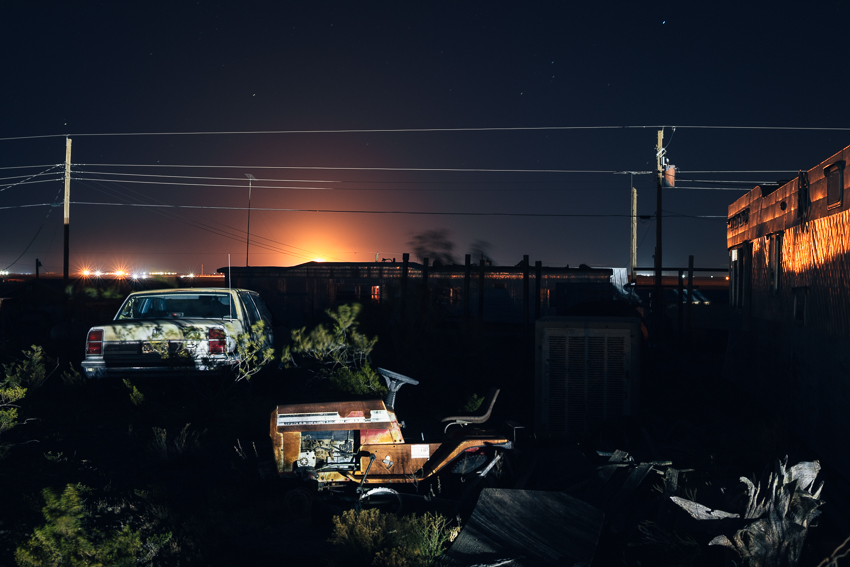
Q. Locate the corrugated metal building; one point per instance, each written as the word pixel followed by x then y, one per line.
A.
pixel 789 258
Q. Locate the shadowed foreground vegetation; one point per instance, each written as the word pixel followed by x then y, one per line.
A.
pixel 178 471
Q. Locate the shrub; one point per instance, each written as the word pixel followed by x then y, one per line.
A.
pixel 72 377
pixel 372 537
pixel 31 371
pixel 339 354
pixel 9 412
pixel 361 535
pixel 473 403
pixel 136 397
pixel 254 352
pixel 64 539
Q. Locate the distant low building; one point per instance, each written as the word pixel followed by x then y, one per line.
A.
pixel 298 295
pixel 789 269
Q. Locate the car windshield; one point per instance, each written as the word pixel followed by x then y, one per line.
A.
pixel 176 306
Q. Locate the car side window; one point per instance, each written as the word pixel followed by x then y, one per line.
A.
pixel 250 308
pixel 262 308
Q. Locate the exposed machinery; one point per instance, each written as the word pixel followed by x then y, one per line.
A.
pixel 360 443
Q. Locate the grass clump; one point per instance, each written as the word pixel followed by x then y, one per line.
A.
pixel 380 539
pixel 183 443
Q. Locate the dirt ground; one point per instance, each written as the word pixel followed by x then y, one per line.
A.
pixel 192 459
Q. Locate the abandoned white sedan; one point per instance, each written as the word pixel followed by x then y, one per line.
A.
pixel 179 331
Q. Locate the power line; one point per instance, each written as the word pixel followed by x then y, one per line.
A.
pixel 425 130
pixel 709 188
pixel 722 181
pixel 213 230
pixel 329 168
pixel 28 206
pixel 424 169
pixel 25 176
pixel 37 232
pixel 7 185
pixel 372 212
pixel 202 177
pixel 794 171
pixel 27 180
pixel 209 185
pixel 29 166
pixel 304 188
pixel 333 181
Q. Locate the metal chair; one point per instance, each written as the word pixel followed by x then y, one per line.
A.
pixel 464 420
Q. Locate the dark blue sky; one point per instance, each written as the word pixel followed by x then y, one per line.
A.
pixel 95 68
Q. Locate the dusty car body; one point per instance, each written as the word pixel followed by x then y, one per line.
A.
pixel 176 331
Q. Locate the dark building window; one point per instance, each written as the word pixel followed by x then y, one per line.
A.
pixel 834 184
pixel 800 296
pixel 736 277
pixel 774 261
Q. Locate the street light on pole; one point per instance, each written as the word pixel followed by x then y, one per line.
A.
pixel 248 239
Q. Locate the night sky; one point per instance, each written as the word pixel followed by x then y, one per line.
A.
pixel 486 115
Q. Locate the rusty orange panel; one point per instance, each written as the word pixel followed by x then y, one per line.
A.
pixel 374 436
pixel 405 458
pixel 449 451
pixel 291 449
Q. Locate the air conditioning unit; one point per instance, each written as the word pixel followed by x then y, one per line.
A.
pixel 587 372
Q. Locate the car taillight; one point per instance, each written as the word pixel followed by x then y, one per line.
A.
pixel 94 342
pixel 217 340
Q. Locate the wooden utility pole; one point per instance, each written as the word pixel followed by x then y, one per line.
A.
pixel 67 208
pixel 248 233
pixel 689 322
pixel 658 304
pixel 525 291
pixel 466 274
pixel 633 247
pixel 481 289
pixel 538 285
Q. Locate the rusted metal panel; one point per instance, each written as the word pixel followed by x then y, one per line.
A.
pixel 814 281
pixel 815 269
pixel 294 429
pixel 290 449
pixel 328 416
pixel 396 458
pixel 817 261
pixel 759 213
